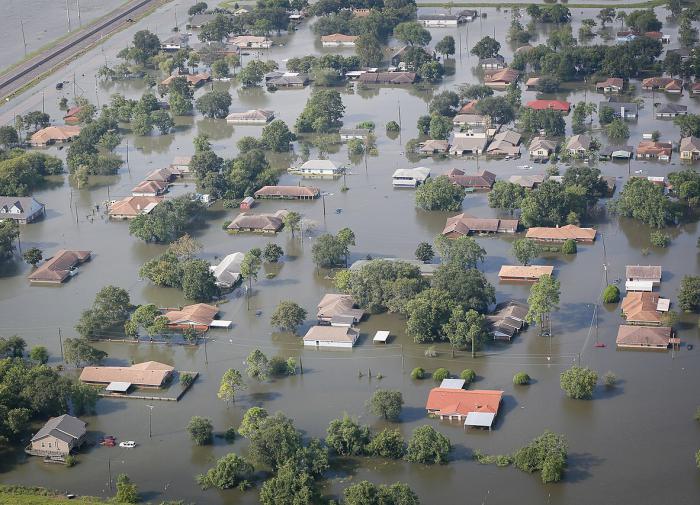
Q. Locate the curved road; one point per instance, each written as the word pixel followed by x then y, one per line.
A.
pixel 49 59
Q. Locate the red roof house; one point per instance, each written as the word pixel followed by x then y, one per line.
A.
pixel 550 105
pixel 477 407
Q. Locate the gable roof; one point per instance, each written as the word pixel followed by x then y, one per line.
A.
pixel 658 336
pixel 66 428
pixel 671 108
pixel 643 272
pixel 340 334
pixel 445 401
pixel 388 77
pixel 156 187
pixel 542 143
pixel 505 75
pixel 163 174
pixel 229 269
pixel 58 267
pixel 641 307
pixel 485 179
pixel 338 37
pixel 549 105
pixel 134 205
pixel 287 191
pixel 335 304
pixel 614 82
pixel 578 142
pixel 525 271
pixel 263 222
pixel 570 231
pixel 26 205
pixel 690 144
pixel 149 374
pixel 59 133
pixel 200 313
pixel 464 224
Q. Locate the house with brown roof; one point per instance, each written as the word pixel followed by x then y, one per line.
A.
pixel 167 174
pixel 695 89
pixel 644 307
pixel 507 320
pixel 644 337
pixel 338 40
pixel 287 193
pixel 338 310
pixel 483 181
pixel 71 115
pixel 59 267
pixel 611 85
pixel 642 277
pixel 667 84
pixel 561 234
pixel 193 80
pixel 331 336
pixel 528 273
pixel 501 79
pixel 22 209
pixel 690 148
pixel 251 41
pixel 149 374
pixel 557 105
pixel 648 149
pixel 132 206
pixel 199 316
pixel 532 82
pixel 150 188
pixel 469 107
pixel 260 223
pixel 434 147
pixel 528 181
pixel 396 78
pixel 476 407
pixel 578 145
pixel 54 135
pixel 464 224
pixel 505 143
pixel 541 148
pixel 58 437
pixel 181 163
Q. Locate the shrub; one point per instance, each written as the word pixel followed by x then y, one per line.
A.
pixel 392 127
pixel 609 379
pixel 569 246
pixel 441 374
pixel 659 239
pixel 468 375
pixel 387 444
pixel 697 414
pixel 521 379
pixel 280 367
pixel 430 352
pixel 186 379
pixel 697 458
pixel 230 434
pixel 70 460
pixel 419 373
pixel 200 430
pixel 428 446
pixel 611 294
pixel 578 383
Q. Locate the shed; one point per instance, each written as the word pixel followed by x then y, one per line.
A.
pixel 480 419
pixel 452 384
pixel 118 387
pixel 381 336
pixel 330 336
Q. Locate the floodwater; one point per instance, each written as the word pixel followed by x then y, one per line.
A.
pixel 44 22
pixel 634 444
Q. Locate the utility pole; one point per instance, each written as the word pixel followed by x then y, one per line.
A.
pixel 206 356
pixel 605 258
pixel 43 107
pixel 399 105
pixel 150 413
pixel 323 197
pixel 80 22
pixel 68 15
pixel 24 40
pixel 109 471
pixel 60 343
pixel 301 366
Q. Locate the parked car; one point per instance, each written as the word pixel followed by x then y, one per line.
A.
pixel 129 444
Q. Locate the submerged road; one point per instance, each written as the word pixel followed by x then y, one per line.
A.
pixel 27 71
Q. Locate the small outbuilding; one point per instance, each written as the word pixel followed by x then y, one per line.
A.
pixel 331 336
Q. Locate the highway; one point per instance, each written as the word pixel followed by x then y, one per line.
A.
pixel 26 72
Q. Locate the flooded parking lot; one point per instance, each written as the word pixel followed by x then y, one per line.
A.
pixel 632 445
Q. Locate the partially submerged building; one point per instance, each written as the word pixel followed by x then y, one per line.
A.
pixel 464 224
pixel 481 181
pixel 253 116
pixel 331 336
pixel 644 308
pixel 228 272
pixel 561 234
pixel 54 135
pixel 132 206
pixel 507 320
pixel 642 277
pixel 22 209
pixel 528 273
pixel 287 193
pixel 644 337
pixel 200 317
pixel 59 267
pixel 410 177
pixel 119 379
pixel 338 310
pixel 258 223
pixel 478 408
pixel 317 168
pixel 58 437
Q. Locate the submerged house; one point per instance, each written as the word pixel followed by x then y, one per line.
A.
pixel 149 374
pixel 338 40
pixel 668 84
pixel 465 145
pixel 150 188
pixel 476 407
pixel 541 148
pixel 557 105
pixel 648 149
pixel 253 116
pixel 528 273
pixel 331 336
pixel 501 79
pixel 228 272
pixel 59 267
pixel 464 224
pixel 54 135
pixel 561 234
pixel 410 177
pixel 611 85
pixel 644 308
pixel 483 181
pixel 670 110
pixel 58 437
pixel 260 223
pixel 644 337
pixel 338 310
pixel 690 148
pixel 622 110
pixel 287 193
pixel 22 209
pixel 396 78
pixel 434 147
pixel 200 317
pixel 317 168
pixel 507 320
pixel 132 206
pixel 505 143
pixel 642 277
pixel 528 181
pixel 251 41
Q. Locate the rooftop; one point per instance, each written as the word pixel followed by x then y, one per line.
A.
pixel 65 428
pixel 338 334
pixel 57 268
pixel 148 374
pixel 198 314
pixel 446 401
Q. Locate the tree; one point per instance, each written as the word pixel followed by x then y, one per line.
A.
pixel 386 404
pixel 578 382
pixel 127 492
pixel 214 104
pixel 323 112
pixel 606 115
pixel 33 256
pixel 39 354
pixel 427 314
pixel 506 195
pixel 200 430
pixel 12 347
pixel 347 437
pixel 428 446
pixel 288 487
pixel 387 443
pixel 546 454
pixel 197 8
pixel 440 127
pixel 498 108
pixel 78 352
pixel 464 251
pixel 689 294
pixel 8 136
pixel 272 252
pixel 689 125
pixel 198 282
pixel 258 365
pixel 439 194
pixel 547 84
pixel 368 50
pixel 328 251
pixel 9 232
pixel 253 73
pixel 474 91
pixel 292 221
pixel 228 472
pixel 167 221
pixel 441 374
pixel 617 131
pixel 444 103
pixel 418 373
pixel 288 316
pixel 424 252
pixel 276 136
pixel 109 310
pixel 643 21
pixel 185 247
pixel 220 68
pixel 412 33
pixel 367 493
pixel 487 47
pixel 645 201
pixel 231 383
pixel 525 250
pixel 606 15
pixel 521 379
pixel 217 29
pixel 381 285
pixel 446 46
pixel 162 120
pixel 250 266
pixel 274 441
pixel 466 328
pixel 251 421
pixel 544 297
pixel 611 294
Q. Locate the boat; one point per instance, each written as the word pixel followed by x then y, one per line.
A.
pixel 129 444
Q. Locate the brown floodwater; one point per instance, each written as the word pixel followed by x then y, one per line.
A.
pixel 634 444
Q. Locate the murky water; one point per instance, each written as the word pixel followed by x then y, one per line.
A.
pixel 633 445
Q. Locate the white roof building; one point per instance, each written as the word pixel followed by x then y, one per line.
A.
pixel 318 168
pixel 228 271
pixel 410 177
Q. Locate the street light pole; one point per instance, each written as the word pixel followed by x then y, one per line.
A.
pixel 150 413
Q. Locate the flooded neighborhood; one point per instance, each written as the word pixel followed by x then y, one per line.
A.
pixel 451 251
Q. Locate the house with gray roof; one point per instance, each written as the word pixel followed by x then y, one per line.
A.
pixel 23 209
pixel 622 110
pixel 670 110
pixel 58 437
